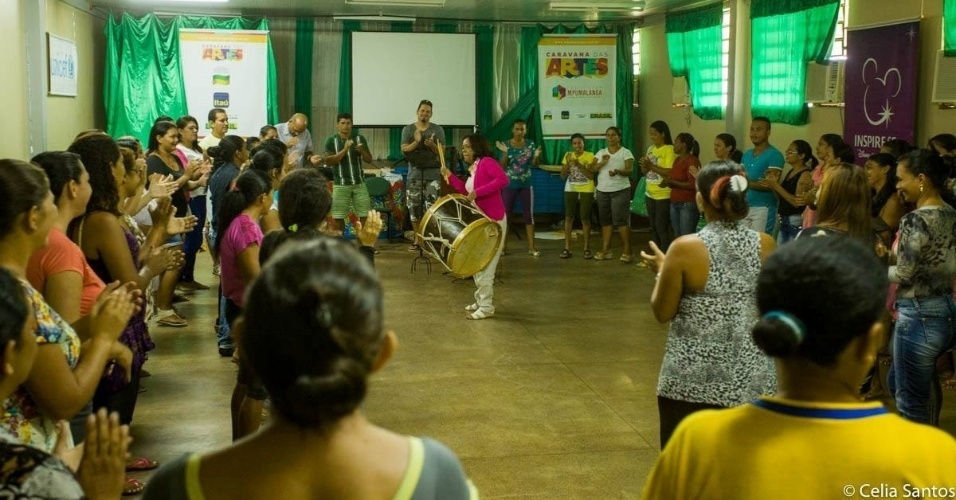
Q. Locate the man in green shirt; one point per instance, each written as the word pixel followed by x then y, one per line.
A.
pixel 345 155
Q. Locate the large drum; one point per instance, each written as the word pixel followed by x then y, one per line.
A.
pixel 459 235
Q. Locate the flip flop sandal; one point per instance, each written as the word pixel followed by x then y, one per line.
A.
pixel 479 314
pixel 133 487
pixel 141 463
pixel 565 254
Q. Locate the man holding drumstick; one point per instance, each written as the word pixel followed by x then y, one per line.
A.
pixel 345 154
pixel 420 144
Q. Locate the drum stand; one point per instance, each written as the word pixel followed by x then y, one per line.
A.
pixel 422 257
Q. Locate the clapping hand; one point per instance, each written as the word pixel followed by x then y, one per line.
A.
pixel 162 186
pixel 501 146
pixel 655 259
pixel 367 233
pixel 694 170
pixel 102 470
pixel 430 142
pixel 179 225
pixel 109 316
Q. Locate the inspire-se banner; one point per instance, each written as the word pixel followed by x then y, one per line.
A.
pixel 881 84
pixel 226 69
pixel 577 84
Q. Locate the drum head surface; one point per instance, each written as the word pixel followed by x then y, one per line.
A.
pixel 459 235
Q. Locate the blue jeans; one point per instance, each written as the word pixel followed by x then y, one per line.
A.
pixel 223 329
pixel 193 243
pixel 790 226
pixel 924 331
pixel 684 217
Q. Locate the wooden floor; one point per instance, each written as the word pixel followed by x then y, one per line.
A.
pixel 552 398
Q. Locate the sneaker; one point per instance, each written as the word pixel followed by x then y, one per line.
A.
pixel 534 253
pixel 171 319
pixel 216 270
pixel 472 308
pixel 225 352
pixel 414 248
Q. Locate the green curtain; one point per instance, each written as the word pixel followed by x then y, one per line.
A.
pixel 304 36
pixel 785 36
pixel 694 49
pixel 949 28
pixel 526 107
pixel 144 77
pixel 345 66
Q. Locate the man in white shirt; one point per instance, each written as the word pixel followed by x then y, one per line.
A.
pixel 295 134
pixel 218 126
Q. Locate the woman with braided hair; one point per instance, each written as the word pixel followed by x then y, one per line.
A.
pixel 706 288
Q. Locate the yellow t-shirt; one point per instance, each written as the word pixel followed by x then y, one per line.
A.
pixel 577 181
pixel 783 449
pixel 664 157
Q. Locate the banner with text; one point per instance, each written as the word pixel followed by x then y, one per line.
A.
pixel 577 84
pixel 226 69
pixel 881 86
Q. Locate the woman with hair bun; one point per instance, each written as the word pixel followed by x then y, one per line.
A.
pixel 313 331
pixel 706 289
pixel 925 270
pixel 821 302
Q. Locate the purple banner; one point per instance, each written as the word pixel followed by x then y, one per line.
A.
pixel 881 83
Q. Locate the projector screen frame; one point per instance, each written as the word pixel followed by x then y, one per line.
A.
pixel 473 126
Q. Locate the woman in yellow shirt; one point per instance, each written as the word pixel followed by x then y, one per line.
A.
pixel 656 165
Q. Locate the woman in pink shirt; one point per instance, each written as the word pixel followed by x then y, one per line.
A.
pixel 238 243
pixel 484 187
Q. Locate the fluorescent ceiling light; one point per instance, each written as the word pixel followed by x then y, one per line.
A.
pixel 398 3
pixel 373 17
pixel 601 6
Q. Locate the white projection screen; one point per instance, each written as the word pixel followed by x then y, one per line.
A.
pixel 393 72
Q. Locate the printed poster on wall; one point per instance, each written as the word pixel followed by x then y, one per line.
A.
pixel 881 85
pixel 62 66
pixel 577 84
pixel 226 69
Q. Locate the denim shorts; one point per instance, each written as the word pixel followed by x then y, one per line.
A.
pixel 614 207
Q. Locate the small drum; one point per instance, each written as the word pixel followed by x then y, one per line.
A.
pixel 459 235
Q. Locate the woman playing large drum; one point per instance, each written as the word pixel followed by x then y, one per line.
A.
pixel 484 187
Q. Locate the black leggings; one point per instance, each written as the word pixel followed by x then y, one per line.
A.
pixel 672 411
pixel 659 212
pixel 122 401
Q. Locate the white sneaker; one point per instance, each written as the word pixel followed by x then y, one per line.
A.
pixel 472 308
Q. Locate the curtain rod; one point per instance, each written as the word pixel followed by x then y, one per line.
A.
pixel 882 24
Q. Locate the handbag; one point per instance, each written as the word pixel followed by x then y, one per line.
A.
pixel 639 202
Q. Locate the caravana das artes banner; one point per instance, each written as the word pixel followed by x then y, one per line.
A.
pixel 881 85
pixel 226 69
pixel 577 84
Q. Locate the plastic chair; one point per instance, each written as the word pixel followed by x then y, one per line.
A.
pixel 379 189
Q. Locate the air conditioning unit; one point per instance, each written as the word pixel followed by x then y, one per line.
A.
pixel 680 93
pixel 825 82
pixel 944 81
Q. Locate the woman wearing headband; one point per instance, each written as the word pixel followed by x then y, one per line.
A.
pixel 822 303
pixel 706 288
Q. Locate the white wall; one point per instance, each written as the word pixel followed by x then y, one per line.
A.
pixel 65 116
pixel 13 85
